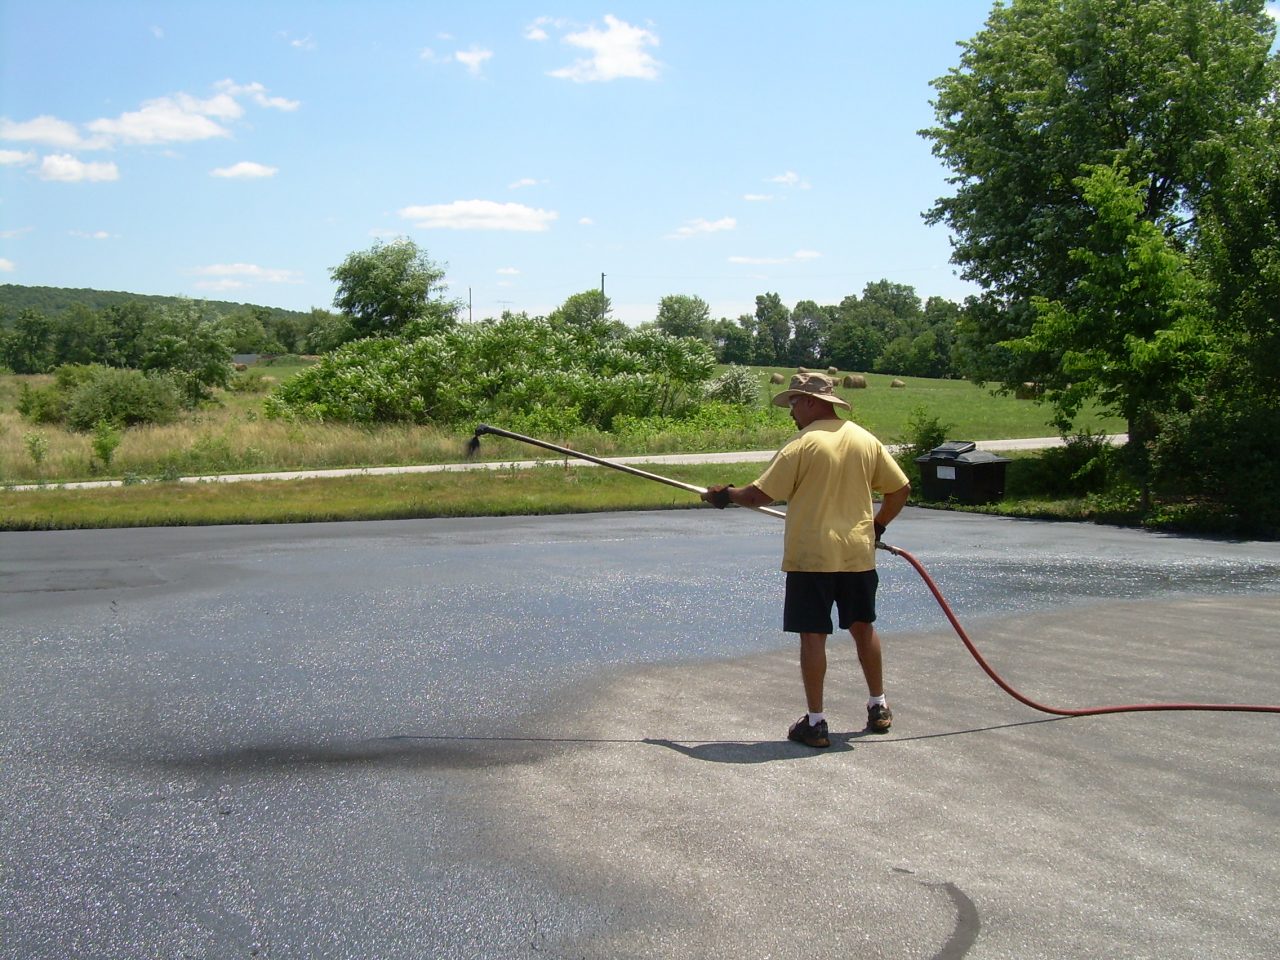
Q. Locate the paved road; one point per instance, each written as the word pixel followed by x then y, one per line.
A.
pixel 561 737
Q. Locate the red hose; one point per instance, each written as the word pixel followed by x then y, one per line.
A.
pixel 1058 711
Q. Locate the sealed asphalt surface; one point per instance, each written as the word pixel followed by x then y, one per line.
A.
pixel 565 737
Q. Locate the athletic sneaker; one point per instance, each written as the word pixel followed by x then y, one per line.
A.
pixel 811 735
pixel 879 719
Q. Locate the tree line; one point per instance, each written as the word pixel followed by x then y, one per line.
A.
pixel 885 330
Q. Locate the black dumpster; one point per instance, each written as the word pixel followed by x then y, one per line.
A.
pixel 957 470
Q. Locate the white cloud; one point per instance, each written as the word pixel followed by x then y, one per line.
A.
pixel 796 257
pixel 757 197
pixel 47 130
pixel 301 43
pixel 618 51
pixel 258 93
pixel 67 169
pixel 14 233
pixel 182 118
pixel 536 30
pixel 473 59
pixel 479 215
pixel 177 119
pixel 693 227
pixel 508 271
pixel 790 179
pixel 7 266
pixel 16 158
pixel 586 222
pixel 523 182
pixel 245 170
pixel 95 235
pixel 228 276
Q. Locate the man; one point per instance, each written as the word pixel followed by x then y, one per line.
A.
pixel 827 475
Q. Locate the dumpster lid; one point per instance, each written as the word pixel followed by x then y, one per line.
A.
pixel 960 451
pixel 952 449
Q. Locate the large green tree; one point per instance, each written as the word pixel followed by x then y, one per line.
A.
pixel 587 313
pixel 683 315
pixel 773 330
pixel 390 285
pixel 1051 89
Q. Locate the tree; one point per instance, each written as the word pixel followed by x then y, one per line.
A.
pixel 326 331
pixel 587 314
pixel 28 347
pixel 82 336
pixel 773 331
pixel 809 323
pixel 385 287
pixel 245 332
pixel 680 315
pixel 1052 88
pixel 733 341
pixel 1131 332
pixel 856 338
pixel 189 348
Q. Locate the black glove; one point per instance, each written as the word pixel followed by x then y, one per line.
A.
pixel 719 498
pixel 879 530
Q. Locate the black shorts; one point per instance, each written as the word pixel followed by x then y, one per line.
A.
pixel 807 608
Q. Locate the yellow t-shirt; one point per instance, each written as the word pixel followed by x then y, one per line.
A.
pixel 827 475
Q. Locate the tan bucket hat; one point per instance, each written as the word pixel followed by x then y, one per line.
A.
pixel 811 385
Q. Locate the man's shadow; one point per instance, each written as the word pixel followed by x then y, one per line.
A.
pixel 767 751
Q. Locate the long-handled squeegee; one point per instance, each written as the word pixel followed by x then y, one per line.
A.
pixel 474 445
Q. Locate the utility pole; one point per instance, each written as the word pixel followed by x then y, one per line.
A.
pixel 602 300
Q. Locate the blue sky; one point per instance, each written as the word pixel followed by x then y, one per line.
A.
pixel 240 150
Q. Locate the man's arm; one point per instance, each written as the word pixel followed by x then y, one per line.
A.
pixel 890 506
pixel 722 495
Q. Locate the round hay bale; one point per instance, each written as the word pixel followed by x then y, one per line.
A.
pixel 1027 391
pixel 897 383
pixel 241 367
pixel 854 381
pixel 833 371
pixel 776 378
pixel 802 369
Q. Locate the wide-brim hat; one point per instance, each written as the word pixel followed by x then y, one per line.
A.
pixel 811 385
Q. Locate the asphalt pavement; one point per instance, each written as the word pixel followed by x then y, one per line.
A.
pixel 565 737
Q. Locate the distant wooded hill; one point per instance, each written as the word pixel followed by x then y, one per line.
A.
pixel 53 301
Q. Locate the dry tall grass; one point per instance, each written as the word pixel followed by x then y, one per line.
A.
pixel 228 436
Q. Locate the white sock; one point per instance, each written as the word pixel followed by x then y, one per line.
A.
pixel 879 701
pixel 816 718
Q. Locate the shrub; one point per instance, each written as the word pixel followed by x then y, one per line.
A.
pixel 736 385
pixel 37 445
pixel 106 439
pixel 924 432
pixel 1085 464
pixel 42 404
pixel 513 367
pixel 121 397
pixel 1219 459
